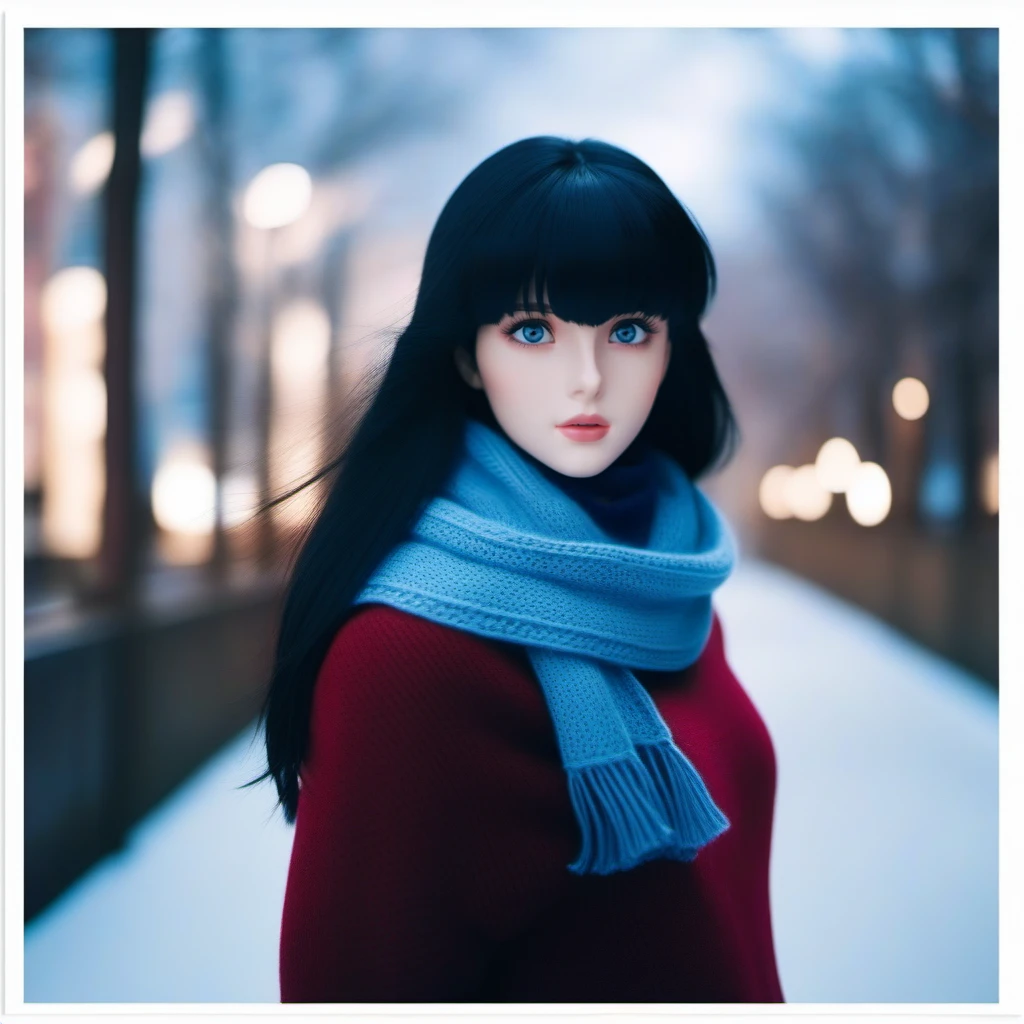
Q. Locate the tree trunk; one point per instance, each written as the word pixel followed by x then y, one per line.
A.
pixel 220 248
pixel 127 516
pixel 126 510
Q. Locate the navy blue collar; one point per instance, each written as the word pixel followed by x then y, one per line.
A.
pixel 620 499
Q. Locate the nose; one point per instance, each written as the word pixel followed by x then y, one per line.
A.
pixel 584 373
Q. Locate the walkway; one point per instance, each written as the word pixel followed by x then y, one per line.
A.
pixel 884 865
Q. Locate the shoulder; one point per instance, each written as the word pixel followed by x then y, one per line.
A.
pixel 388 642
pixel 373 630
pixel 389 669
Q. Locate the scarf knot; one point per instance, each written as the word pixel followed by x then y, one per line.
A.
pixel 504 553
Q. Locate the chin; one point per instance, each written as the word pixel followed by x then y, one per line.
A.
pixel 580 468
pixel 573 459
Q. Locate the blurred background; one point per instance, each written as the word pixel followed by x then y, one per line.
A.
pixel 223 228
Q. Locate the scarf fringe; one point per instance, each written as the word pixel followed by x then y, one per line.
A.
pixel 690 810
pixel 622 806
pixel 616 808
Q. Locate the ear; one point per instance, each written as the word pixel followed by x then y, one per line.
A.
pixel 467 369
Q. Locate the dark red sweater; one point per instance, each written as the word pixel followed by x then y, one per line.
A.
pixel 434 830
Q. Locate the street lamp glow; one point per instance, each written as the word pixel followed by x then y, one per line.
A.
pixel 772 493
pixel 73 298
pixel 301 340
pixel 869 496
pixel 805 496
pixel 910 398
pixel 836 463
pixel 80 404
pixel 170 120
pixel 278 195
pixel 90 166
pixel 184 494
pixel 72 304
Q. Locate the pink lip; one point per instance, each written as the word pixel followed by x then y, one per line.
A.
pixel 592 428
pixel 587 420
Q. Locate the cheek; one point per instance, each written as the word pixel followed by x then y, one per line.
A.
pixel 507 380
pixel 644 383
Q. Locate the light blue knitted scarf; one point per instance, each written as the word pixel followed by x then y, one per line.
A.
pixel 504 553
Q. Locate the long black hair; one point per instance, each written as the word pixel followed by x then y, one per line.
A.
pixel 595 232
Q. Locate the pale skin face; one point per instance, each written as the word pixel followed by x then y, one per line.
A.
pixel 539 371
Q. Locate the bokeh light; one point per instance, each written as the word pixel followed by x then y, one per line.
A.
pixel 301 338
pixel 80 404
pixel 90 166
pixel 73 298
pixel 772 493
pixel 836 463
pixel 76 481
pixel 184 492
pixel 869 496
pixel 170 120
pixel 910 398
pixel 71 307
pixel 277 196
pixel 805 495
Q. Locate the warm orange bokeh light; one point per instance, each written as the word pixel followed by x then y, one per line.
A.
pixel 910 398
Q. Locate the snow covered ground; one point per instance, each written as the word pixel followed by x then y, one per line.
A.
pixel 884 864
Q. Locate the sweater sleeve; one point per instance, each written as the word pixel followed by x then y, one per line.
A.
pixel 433 822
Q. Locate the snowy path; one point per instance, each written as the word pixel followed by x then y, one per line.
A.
pixel 884 864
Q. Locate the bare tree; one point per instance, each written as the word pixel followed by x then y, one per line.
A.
pixel 898 226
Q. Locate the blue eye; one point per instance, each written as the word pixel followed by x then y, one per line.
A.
pixel 531 333
pixel 630 334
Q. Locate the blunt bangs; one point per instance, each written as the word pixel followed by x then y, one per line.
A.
pixel 594 241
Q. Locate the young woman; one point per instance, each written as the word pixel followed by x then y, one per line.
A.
pixel 501 717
